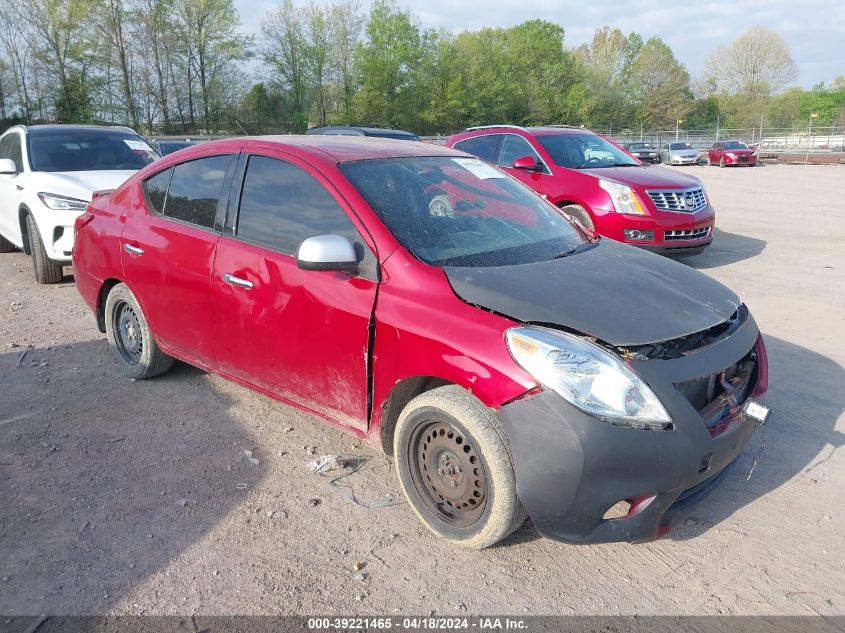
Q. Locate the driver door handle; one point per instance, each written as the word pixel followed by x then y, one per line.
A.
pixel 237 281
pixel 133 250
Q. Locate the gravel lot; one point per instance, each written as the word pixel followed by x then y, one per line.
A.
pixel 136 497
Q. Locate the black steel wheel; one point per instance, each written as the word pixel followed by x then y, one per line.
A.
pixel 455 467
pixel 130 339
pixel 448 472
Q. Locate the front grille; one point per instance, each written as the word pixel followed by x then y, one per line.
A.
pixel 687 234
pixel 722 393
pixel 679 200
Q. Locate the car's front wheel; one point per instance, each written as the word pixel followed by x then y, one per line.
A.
pixel 45 271
pixel 722 162
pixel 579 213
pixel 455 468
pixel 130 338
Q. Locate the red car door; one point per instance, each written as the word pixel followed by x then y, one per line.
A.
pixel 300 335
pixel 514 146
pixel 715 153
pixel 168 243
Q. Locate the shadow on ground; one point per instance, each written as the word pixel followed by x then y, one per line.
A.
pixel 104 487
pixel 806 396
pixel 727 248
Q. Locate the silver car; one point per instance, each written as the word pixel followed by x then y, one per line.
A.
pixel 678 153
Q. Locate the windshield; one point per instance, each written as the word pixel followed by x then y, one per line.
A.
pixel 57 149
pixel 639 146
pixel 681 146
pixel 580 151
pixel 734 145
pixel 462 211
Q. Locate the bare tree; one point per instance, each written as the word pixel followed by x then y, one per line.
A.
pixel 756 64
pixel 284 50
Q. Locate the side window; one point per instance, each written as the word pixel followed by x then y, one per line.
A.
pixel 10 147
pixel 195 189
pixel 281 205
pixel 155 189
pixel 514 147
pixel 482 146
pixel 716 146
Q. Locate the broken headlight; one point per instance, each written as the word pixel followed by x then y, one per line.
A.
pixel 588 377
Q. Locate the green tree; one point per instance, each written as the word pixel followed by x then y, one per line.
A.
pixel 659 85
pixel 607 62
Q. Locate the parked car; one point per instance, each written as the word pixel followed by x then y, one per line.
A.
pixel 724 153
pixel 358 130
pixel 679 154
pixel 48 175
pixel 599 185
pixel 644 152
pixel 509 361
pixel 168 146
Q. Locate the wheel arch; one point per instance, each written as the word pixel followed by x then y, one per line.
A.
pixel 24 211
pixel 102 294
pixel 400 395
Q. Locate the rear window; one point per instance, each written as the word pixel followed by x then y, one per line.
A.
pixel 482 146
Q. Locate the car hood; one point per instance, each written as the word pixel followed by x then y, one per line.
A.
pixel 683 152
pixel 646 177
pixel 78 184
pixel 619 294
pixel 739 152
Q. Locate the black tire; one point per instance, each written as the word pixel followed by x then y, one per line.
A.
pixel 130 338
pixel 45 271
pixel 455 467
pixel 577 212
pixel 6 246
pixel 722 162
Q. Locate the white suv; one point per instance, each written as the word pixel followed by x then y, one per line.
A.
pixel 48 174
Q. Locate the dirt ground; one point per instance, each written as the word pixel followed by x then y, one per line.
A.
pixel 137 498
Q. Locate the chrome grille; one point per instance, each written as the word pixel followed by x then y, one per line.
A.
pixel 687 234
pixel 679 200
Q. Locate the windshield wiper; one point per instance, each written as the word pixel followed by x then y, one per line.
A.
pixel 578 249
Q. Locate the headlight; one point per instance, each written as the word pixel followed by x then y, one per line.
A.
pixel 588 377
pixel 63 203
pixel 730 154
pixel 622 198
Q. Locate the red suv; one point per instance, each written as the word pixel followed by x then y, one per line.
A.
pixel 422 299
pixel 600 185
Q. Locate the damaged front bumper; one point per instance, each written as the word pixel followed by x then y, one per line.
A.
pixel 572 468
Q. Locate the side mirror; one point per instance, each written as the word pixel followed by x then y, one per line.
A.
pixel 326 252
pixel 7 166
pixel 527 163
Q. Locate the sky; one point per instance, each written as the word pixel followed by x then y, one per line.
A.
pixel 814 29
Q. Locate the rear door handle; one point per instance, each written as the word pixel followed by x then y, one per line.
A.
pixel 237 281
pixel 133 250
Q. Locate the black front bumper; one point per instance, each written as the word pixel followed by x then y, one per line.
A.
pixel 572 467
pixel 683 249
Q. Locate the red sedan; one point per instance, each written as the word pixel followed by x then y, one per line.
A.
pixel 512 362
pixel 726 153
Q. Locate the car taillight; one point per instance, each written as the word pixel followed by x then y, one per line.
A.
pixel 82 220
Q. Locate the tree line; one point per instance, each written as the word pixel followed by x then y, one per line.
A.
pixel 185 67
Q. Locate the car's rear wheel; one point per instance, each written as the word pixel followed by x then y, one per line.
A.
pixel 45 271
pixel 6 246
pixel 130 338
pixel 455 468
pixel 577 212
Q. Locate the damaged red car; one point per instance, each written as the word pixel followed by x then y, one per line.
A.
pixel 512 362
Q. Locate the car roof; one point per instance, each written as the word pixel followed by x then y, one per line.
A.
pixel 340 149
pixel 57 127
pixel 361 128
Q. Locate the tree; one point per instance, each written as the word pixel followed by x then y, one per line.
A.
pixel 757 63
pixel 607 62
pixel 284 49
pixel 659 85
pixel 210 29
pixel 349 23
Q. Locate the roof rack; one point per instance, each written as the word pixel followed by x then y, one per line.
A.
pixel 489 127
